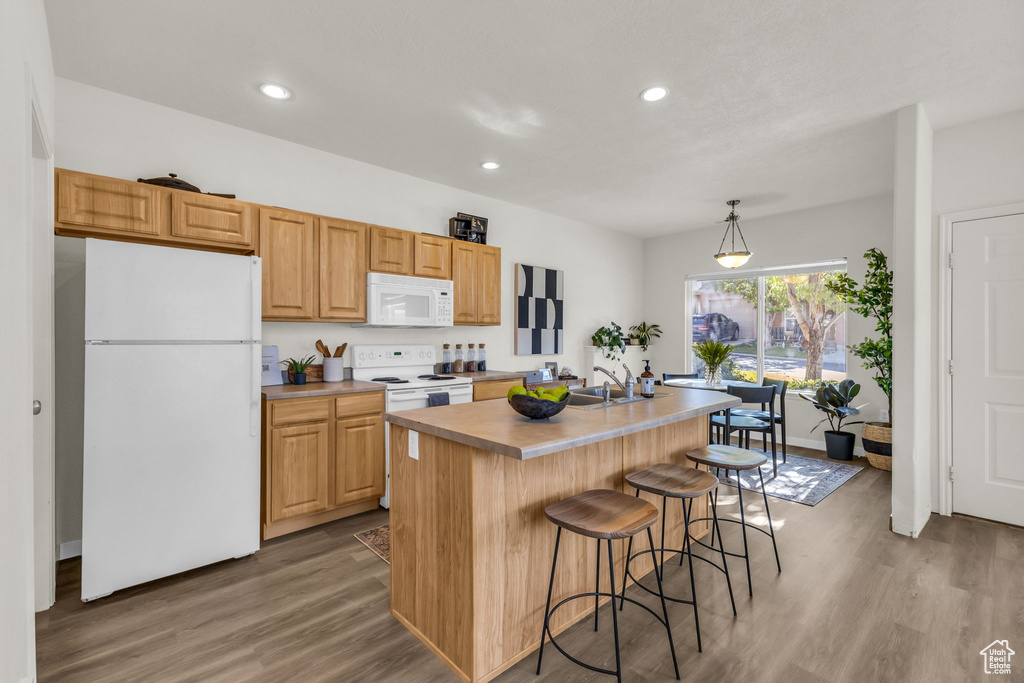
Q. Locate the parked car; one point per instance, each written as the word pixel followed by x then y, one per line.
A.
pixel 715 326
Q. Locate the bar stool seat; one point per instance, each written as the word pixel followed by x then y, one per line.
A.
pixel 670 480
pixel 602 514
pixel 674 481
pixel 723 457
pixel 726 457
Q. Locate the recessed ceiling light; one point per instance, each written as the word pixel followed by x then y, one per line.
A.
pixel 653 94
pixel 490 165
pixel 278 92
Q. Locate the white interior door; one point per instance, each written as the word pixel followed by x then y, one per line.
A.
pixel 988 362
pixel 42 369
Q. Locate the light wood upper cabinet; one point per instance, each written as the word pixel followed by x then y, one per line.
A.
pixel 358 459
pixel 342 270
pixel 488 282
pixel 288 248
pixel 211 219
pixel 92 202
pixel 464 274
pixel 432 257
pixel 476 271
pixel 298 470
pixel 391 250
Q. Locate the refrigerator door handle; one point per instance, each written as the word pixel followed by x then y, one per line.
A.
pixel 255 384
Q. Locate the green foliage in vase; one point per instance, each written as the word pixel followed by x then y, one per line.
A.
pixel 299 366
pixel 713 353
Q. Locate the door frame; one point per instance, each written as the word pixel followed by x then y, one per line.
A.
pixel 44 512
pixel 947 222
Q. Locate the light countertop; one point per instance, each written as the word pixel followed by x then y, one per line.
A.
pixel 495 426
pixel 487 375
pixel 348 386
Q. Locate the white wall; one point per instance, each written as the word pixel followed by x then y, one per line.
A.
pixel 110 134
pixel 976 165
pixel 840 230
pixel 24 59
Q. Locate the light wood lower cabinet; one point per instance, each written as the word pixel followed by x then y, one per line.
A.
pixel 498 388
pixel 323 459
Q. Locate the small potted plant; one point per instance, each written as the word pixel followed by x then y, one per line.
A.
pixel 834 400
pixel 297 368
pixel 714 354
pixel 644 334
pixel 610 341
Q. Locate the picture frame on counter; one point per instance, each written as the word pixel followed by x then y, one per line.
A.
pixel 553 367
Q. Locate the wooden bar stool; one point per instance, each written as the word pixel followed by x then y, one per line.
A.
pixel 736 459
pixel 606 515
pixel 670 480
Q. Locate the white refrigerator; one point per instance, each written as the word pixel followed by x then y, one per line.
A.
pixel 171 471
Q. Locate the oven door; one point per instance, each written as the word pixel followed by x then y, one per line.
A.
pixel 397 306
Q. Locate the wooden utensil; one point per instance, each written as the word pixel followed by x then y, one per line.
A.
pixel 338 352
pixel 322 348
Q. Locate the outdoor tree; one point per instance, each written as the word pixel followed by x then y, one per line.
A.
pixel 815 307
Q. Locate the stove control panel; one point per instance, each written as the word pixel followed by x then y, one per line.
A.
pixel 394 355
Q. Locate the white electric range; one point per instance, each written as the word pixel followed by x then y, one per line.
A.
pixel 407 373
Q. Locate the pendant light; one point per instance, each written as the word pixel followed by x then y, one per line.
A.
pixel 734 258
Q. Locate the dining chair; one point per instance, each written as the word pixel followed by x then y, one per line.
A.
pixel 781 387
pixel 745 425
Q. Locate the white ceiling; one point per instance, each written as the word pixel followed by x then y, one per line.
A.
pixel 782 104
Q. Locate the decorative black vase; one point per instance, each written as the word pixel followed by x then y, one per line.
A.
pixel 839 445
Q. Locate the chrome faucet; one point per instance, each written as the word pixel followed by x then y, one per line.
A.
pixel 627 388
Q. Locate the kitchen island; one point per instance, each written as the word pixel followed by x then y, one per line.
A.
pixel 470 545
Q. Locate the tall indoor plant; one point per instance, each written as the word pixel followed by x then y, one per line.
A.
pixel 873 299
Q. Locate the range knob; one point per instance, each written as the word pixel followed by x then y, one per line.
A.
pixel 372 356
pixel 362 356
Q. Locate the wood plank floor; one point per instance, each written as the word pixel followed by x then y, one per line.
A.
pixel 854 603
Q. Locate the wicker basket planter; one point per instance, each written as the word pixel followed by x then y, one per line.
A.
pixel 877 438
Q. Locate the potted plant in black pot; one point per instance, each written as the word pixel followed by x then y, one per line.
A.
pixel 873 299
pixel 834 400
pixel 297 369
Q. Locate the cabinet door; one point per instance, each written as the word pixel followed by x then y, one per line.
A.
pixel 288 249
pixel 432 257
pixel 358 459
pixel 298 470
pixel 488 285
pixel 465 274
pixel 109 204
pixel 390 250
pixel 342 270
pixel 211 219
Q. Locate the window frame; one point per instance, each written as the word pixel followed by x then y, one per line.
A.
pixel 760 274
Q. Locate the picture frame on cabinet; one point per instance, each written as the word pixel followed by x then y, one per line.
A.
pixel 477 227
pixel 553 367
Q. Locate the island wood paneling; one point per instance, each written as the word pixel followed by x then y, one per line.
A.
pixel 471 547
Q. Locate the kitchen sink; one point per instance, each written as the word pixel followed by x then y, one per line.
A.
pixel 592 398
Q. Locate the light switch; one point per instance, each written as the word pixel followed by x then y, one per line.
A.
pixel 414 445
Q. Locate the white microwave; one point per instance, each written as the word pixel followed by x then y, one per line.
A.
pixel 399 301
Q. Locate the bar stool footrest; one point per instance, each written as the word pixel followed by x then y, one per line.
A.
pixel 636 582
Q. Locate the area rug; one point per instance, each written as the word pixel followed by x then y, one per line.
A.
pixel 378 540
pixel 801 480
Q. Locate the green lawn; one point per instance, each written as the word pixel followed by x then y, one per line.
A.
pixel 776 351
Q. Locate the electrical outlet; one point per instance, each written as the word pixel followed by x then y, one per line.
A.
pixel 883 415
pixel 414 445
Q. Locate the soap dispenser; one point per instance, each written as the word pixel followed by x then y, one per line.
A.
pixel 647 381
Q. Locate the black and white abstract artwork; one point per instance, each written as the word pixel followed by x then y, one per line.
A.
pixel 539 310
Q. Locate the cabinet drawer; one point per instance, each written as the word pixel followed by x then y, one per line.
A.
pixel 484 391
pixel 367 403
pixel 297 412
